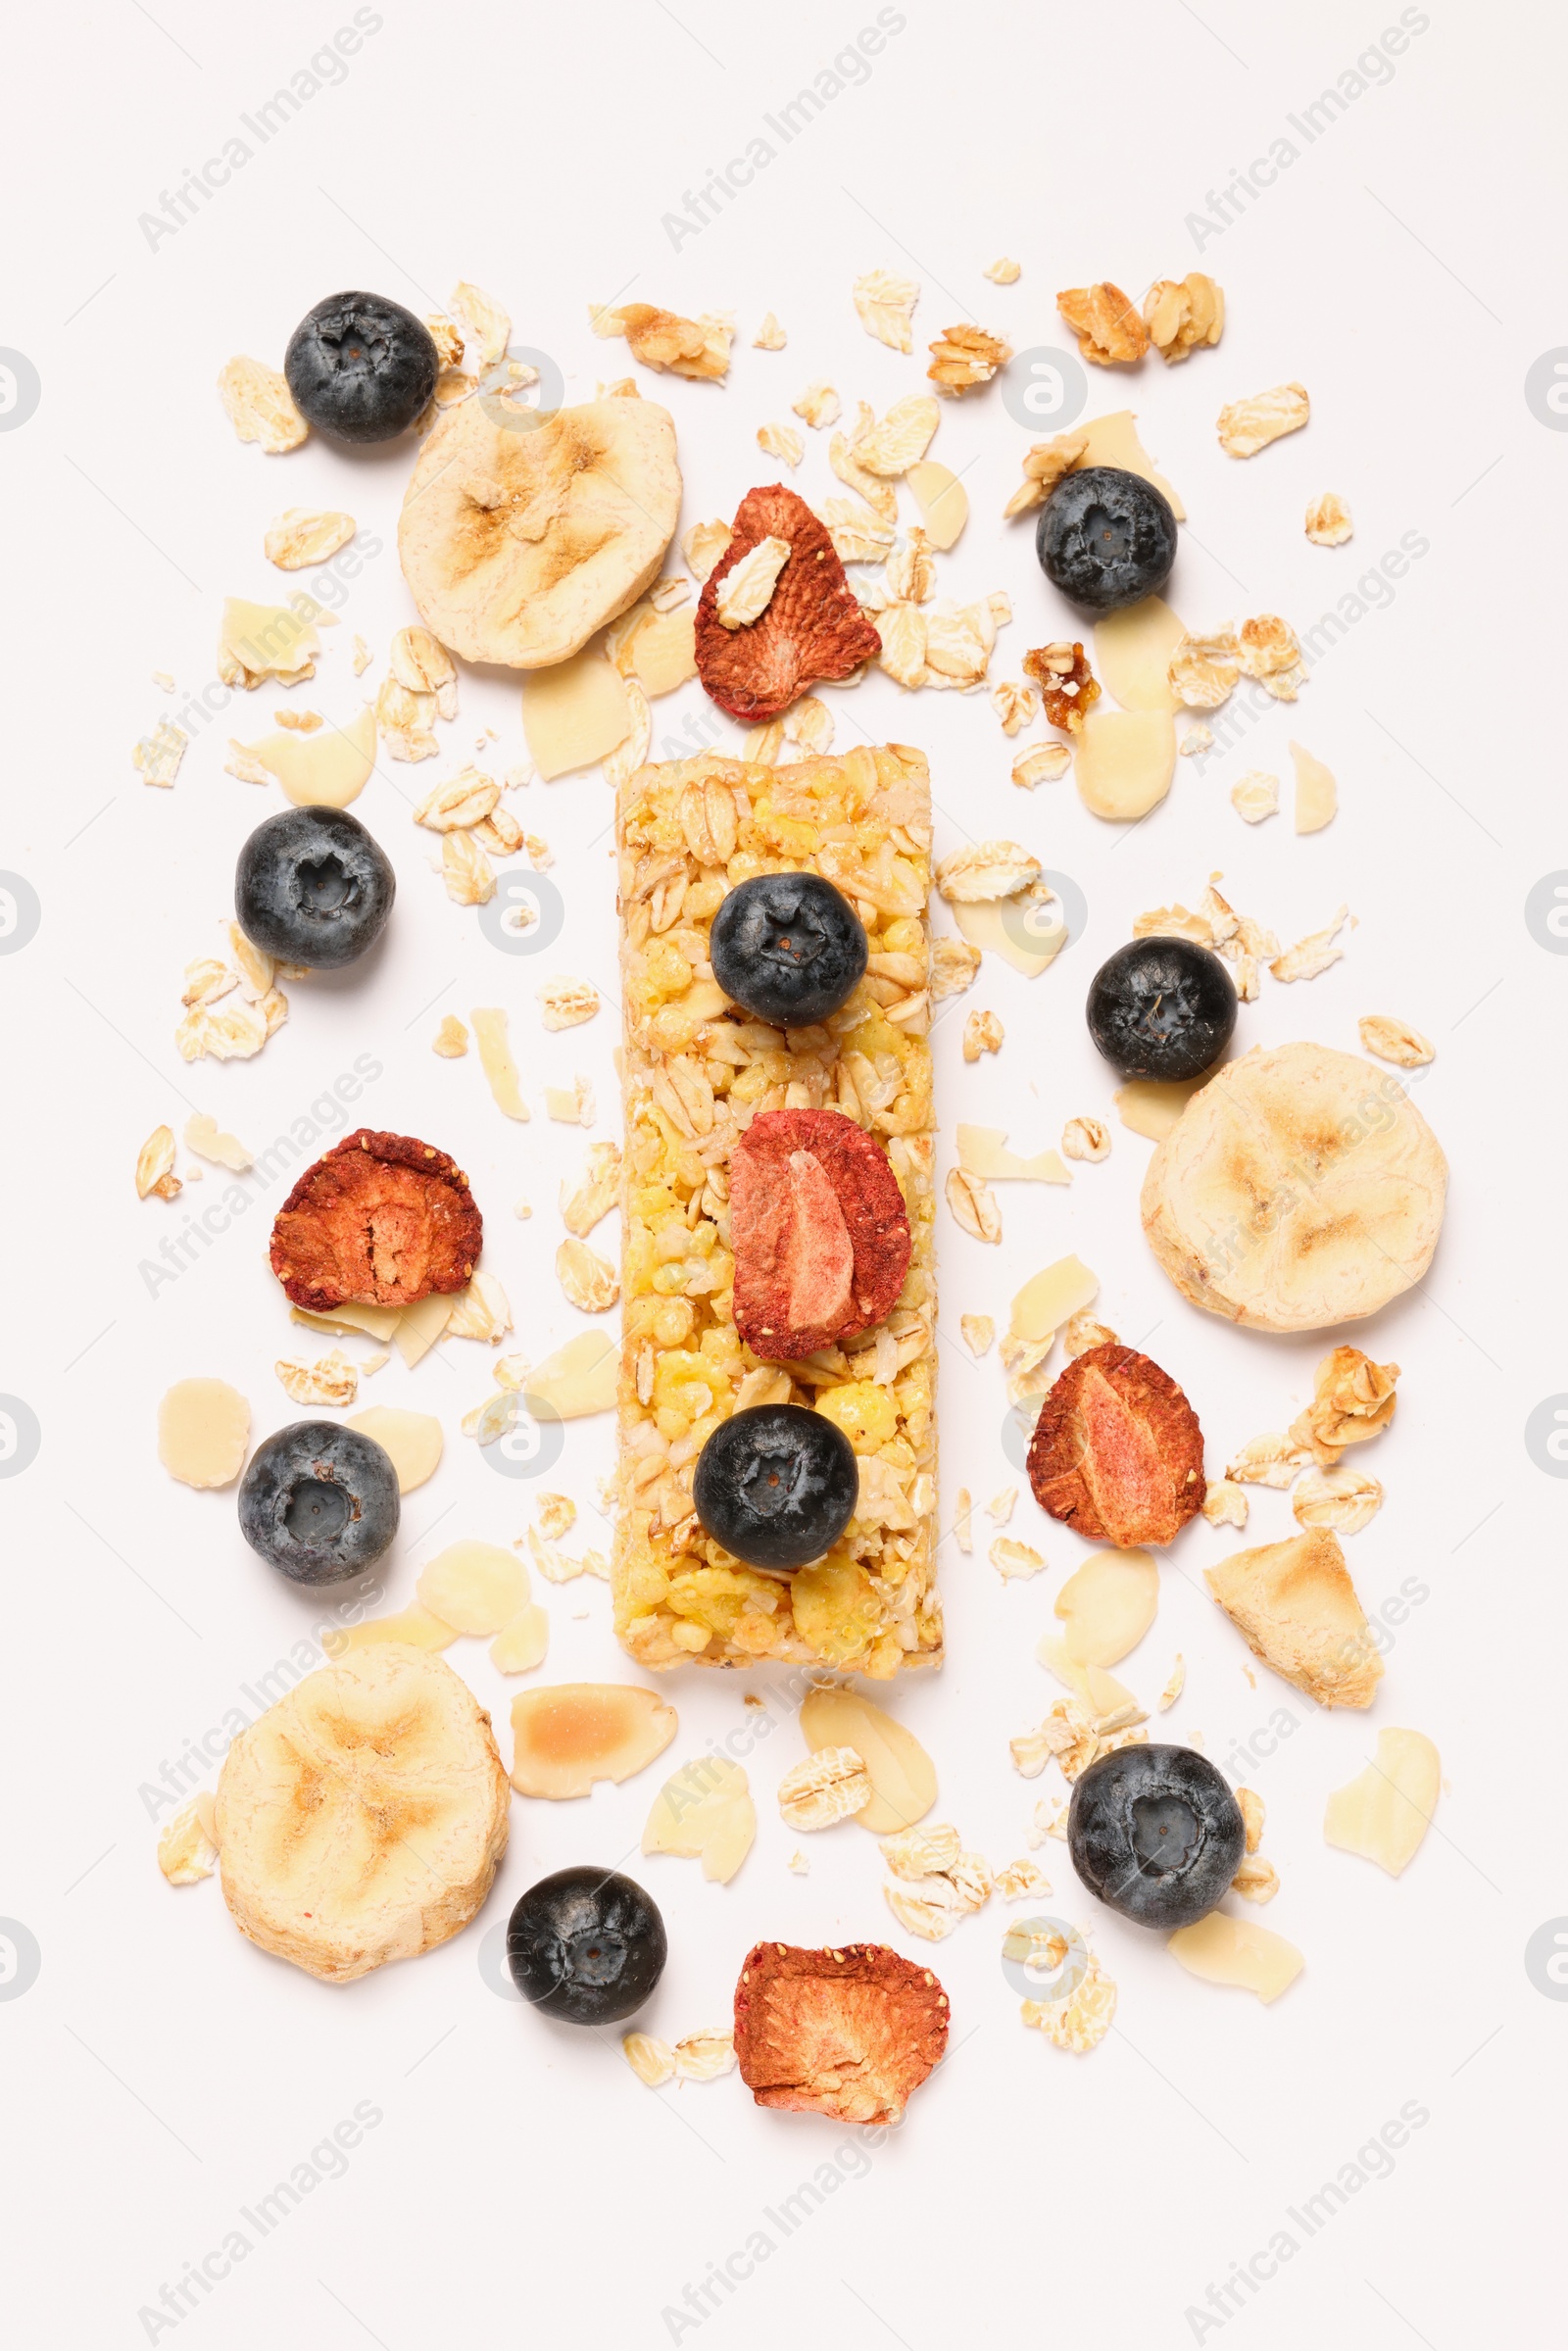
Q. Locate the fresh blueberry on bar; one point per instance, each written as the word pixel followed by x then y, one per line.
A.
pixel 1162 1008
pixel 1105 538
pixel 789 948
pixel 586 1946
pixel 313 887
pixel 361 367
pixel 319 1503
pixel 1155 1832
pixel 776 1484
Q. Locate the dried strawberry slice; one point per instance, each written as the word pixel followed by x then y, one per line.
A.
pixel 818 1228
pixel 811 629
pixel 1117 1452
pixel 847 2034
pixel 381 1220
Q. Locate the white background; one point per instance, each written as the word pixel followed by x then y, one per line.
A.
pixel 522 2185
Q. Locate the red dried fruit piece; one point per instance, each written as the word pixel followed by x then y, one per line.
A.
pixel 1117 1452
pixel 818 1228
pixel 812 627
pixel 381 1221
pixel 847 2034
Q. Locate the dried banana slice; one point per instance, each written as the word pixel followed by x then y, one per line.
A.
pixel 362 1817
pixel 1300 1188
pixel 518 544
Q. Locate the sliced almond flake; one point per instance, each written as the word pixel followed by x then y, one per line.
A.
pixel 1384 1813
pixel 575 713
pixel 589 1282
pixel 489 327
pixel 260 406
pixel 1151 1106
pixel 781 441
pixel 973 1206
pixel 155 1165
pixel 495 1059
pixel 330 1380
pixel 983 1152
pixel 703 545
pixel 1312 955
pixel 1328 520
pixel 819 404
pixel 884 303
pixel 1003 273
pixel 571 1105
pixel 1172 1692
pixel 983 870
pixel 1395 1041
pixel 205 1138
pixel 747 589
pixel 1225 1503
pixel 463 799
pixel 566 1004
pixel 1046 1300
pixel 304 535
pixel 769 336
pixel 962 1507
pixel 1247 425
pixel 158 755
pixel 1255 795
pixel 1317 795
pixel 363 657
pixel 623 762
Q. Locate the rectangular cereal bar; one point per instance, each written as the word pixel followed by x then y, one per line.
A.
pixel 696 1071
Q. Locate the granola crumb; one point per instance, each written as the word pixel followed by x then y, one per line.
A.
pixel 1328 520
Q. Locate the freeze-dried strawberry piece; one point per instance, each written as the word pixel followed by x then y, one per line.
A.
pixel 381 1220
pixel 1117 1452
pixel 818 1228
pixel 847 2034
pixel 811 628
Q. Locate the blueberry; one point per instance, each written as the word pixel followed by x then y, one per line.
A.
pixel 788 948
pixel 361 367
pixel 1105 538
pixel 313 887
pixel 319 1503
pixel 776 1484
pixel 586 1946
pixel 1162 1008
pixel 1155 1832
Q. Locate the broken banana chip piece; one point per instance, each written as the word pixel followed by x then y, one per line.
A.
pixel 705 1811
pixel 848 2033
pixel 811 628
pixel 1296 1607
pixel 517 545
pixel 572 1735
pixel 385 1219
pixel 362 1817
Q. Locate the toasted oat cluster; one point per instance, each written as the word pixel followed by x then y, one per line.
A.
pixel 697 1071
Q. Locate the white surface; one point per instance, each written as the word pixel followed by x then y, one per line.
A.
pixel 161 2074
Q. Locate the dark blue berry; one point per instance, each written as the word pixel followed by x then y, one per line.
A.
pixel 776 1484
pixel 320 1502
pixel 1155 1832
pixel 361 367
pixel 313 887
pixel 1162 1008
pixel 1105 538
pixel 788 948
pixel 586 1946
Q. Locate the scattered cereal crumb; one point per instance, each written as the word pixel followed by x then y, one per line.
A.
pixel 978 1330
pixel 1003 273
pixel 1328 520
pixel 1196 739
pixel 451 1040
pixel 769 336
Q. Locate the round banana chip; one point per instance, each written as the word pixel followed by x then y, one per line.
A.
pixel 517 544
pixel 363 1818
pixel 1298 1189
